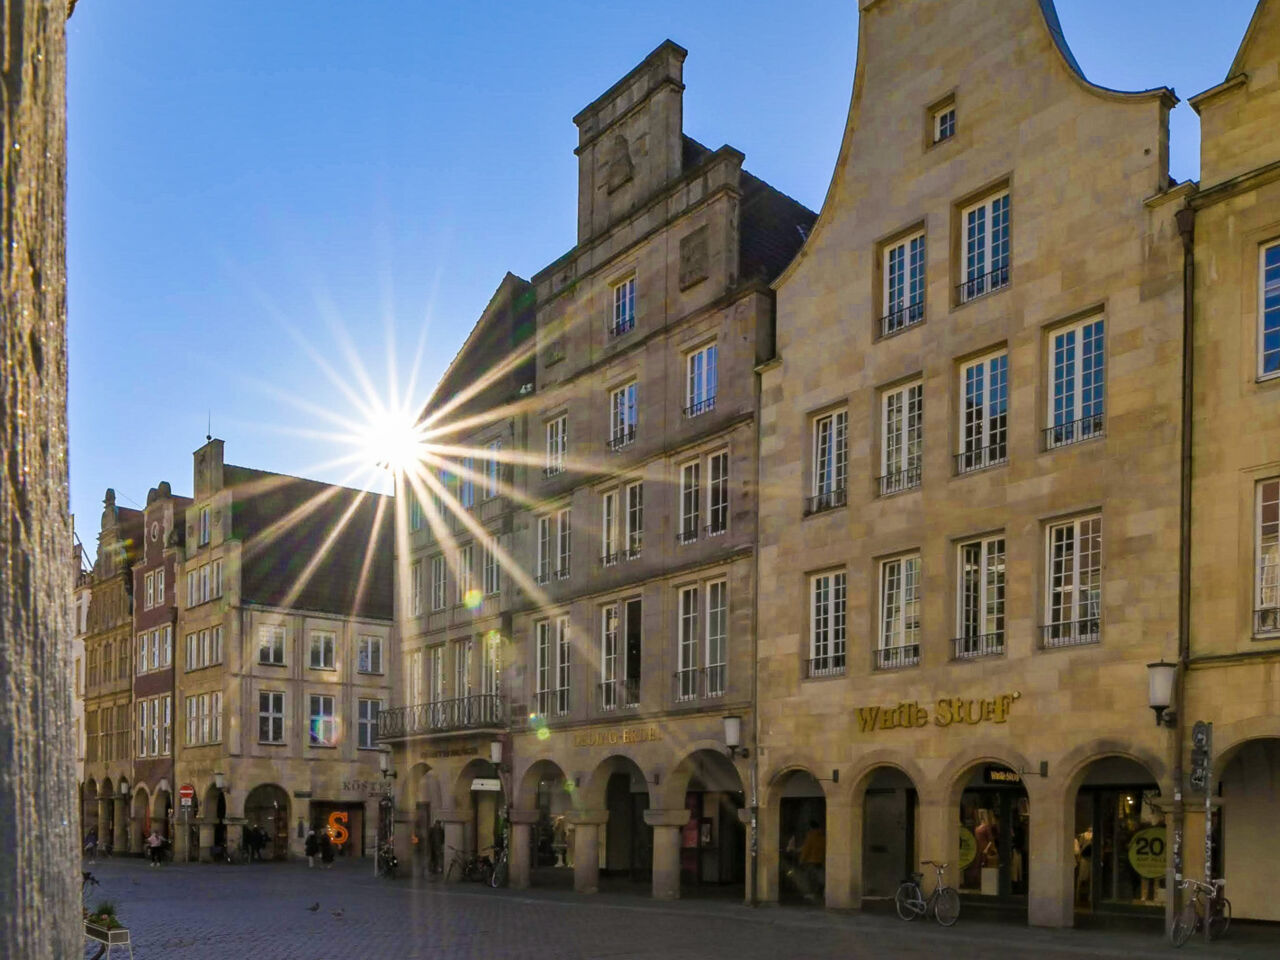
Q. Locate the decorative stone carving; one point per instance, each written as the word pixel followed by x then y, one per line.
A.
pixel 694 257
pixel 619 167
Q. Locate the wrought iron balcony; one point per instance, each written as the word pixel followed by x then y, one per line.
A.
pixel 687 535
pixel 1073 431
pixel 830 665
pixel 553 469
pixel 633 551
pixel 979 645
pixel 1266 620
pixel 700 406
pixel 718 525
pixel 979 458
pixel 836 497
pixel 895 658
pixel 899 318
pixel 624 439
pixel 543 576
pixel 983 284
pixel 899 481
pixel 610 558
pixel 617 327
pixel 552 703
pixel 563 572
pixel 615 694
pixel 1070 633
pixel 481 711
pixel 700 683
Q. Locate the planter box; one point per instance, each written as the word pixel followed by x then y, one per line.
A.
pixel 118 937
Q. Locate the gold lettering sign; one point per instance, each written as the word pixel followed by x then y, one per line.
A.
pixel 947 711
pixel 616 735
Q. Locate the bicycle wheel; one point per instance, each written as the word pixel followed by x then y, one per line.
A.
pixel 1219 922
pixel 946 906
pixel 499 876
pixel 908 901
pixel 1184 924
pixel 452 875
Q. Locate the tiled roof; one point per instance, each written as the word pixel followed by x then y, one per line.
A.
pixel 310 545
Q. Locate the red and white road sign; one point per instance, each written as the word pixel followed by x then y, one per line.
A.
pixel 187 792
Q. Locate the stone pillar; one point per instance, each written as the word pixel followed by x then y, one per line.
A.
pixel 120 825
pixel 666 850
pixel 180 834
pixel 767 855
pixel 206 839
pixel 455 825
pixel 938 833
pixel 519 867
pixel 586 849
pixel 844 857
pixel 1051 856
pixel 104 814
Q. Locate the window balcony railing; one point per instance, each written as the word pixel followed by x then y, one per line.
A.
pixel 895 658
pixel 553 469
pixel 563 572
pixel 828 500
pixel 829 665
pixel 551 703
pixel 979 458
pixel 617 327
pixel 1073 431
pixel 899 318
pixel 982 284
pixel 907 479
pixel 623 439
pixel 700 406
pixel 687 535
pixel 700 683
pixel 608 559
pixel 478 711
pixel 1266 620
pixel 978 645
pixel 632 552
pixel 716 527
pixel 1071 633
pixel 543 576
pixel 615 694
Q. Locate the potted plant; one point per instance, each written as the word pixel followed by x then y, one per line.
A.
pixel 101 925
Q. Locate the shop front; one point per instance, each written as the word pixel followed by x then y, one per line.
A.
pixel 995 825
pixel 345 823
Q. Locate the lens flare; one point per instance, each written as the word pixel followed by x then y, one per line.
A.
pixel 472 599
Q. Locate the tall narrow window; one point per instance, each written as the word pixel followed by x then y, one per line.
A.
pixel 904 265
pixel 564 543
pixel 827 624
pixel 215 716
pixel 466 573
pixel 635 519
pixel 270 717
pixel 466 483
pixel 980 630
pixel 609 657
pixel 944 123
pixel 206 593
pixel 150 601
pixel 546 554
pixel 1074 601
pixel 624 307
pixel 899 613
pixel 204 526
pixel 984 411
pixel 369 656
pixel 143 661
pixel 687 649
pixel 324 723
pixel 193 588
pixel 367 723
pixel 462 668
pixel 215 578
pixel 417 680
pixel 415 511
pixel 1266 601
pixel 609 528
pixel 702 380
pixel 1269 310
pixel 491 664
pixel 632 654
pixel 717 493
pixel 562 665
pixel 901 438
pixel 717 654
pixel 830 459
pixel 492 466
pixel 557 445
pixel 415 586
pixel 437 673
pixel 439 582
pixel 1078 379
pixel 544 669
pixel 690 496
pixel 985 246
pixel 322 650
pixel 553 667
pixel 491 571
pixel 622 416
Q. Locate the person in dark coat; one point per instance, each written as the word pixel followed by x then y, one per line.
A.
pixel 312 847
pixel 326 849
pixel 435 846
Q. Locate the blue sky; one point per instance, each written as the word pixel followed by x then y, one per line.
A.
pixel 249 176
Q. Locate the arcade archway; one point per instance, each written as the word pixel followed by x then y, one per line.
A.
pixel 267 808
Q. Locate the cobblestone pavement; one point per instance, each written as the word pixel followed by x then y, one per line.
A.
pixel 259 912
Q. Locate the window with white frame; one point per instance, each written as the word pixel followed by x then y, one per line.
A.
pixel 415 511
pixel 205 592
pixel 1077 381
pixel 491 664
pixel 367 711
pixel 437 673
pixel 901 438
pixel 830 461
pixel 984 413
pixel 215 579
pixel 462 668
pixel 1266 600
pixel 985 246
pixel 702 380
pixel 417 677
pixel 155 719
pixel 690 501
pixel 562 665
pixel 466 483
pixel 492 466
pixel 143 660
pixel 1269 310
pixel 635 519
pixel 369 654
pixel 717 493
pixel 827 624
pixel 324 722
pixel 624 307
pixel 552 666
pixel 980 595
pixel 622 416
pixel 466 572
pixel 415 588
pixel 717 638
pixel 193 651
pixel 904 284
pixel 609 527
pixel 491 571
pixel 944 123
pixel 204 526
pixel 322 650
pixel 899 640
pixel 439 582
pixel 150 591
pixel 193 588
pixel 1073 601
pixel 564 543
pixel 687 645
pixel 546 549
pixel 271 645
pixel 204 718
pixel 557 445
pixel 159 595
pixel 270 716
pixel 609 698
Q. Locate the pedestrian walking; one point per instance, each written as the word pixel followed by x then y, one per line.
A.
pixel 91 843
pixel 155 844
pixel 312 847
pixel 326 849
pixel 813 856
pixel 435 846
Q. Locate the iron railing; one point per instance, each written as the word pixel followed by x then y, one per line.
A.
pixel 687 535
pixel 1073 431
pixel 836 497
pixel 616 328
pixel 632 551
pixel 700 683
pixel 1070 633
pixel 895 658
pixel 609 559
pixel 478 711
pixel 979 458
pixel 624 439
pixel 552 703
pixel 978 645
pixel 562 573
pixel 907 315
pixel 984 283
pixel 615 694
pixel 717 527
pixel 899 481
pixel 1266 620
pixel 700 406
pixel 553 469
pixel 830 665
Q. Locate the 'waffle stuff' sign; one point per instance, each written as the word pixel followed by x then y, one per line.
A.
pixel 947 712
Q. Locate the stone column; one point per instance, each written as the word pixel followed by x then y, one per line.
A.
pixel 206 839
pixel 843 866
pixel 767 855
pixel 938 835
pixel 519 867
pixel 666 850
pixel 104 806
pixel 1051 856
pixel 455 823
pixel 586 849
pixel 120 825
pixel 180 834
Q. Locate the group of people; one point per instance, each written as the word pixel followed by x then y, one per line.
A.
pixel 320 844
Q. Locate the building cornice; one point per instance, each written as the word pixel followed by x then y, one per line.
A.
pixel 1245 182
pixel 1231 83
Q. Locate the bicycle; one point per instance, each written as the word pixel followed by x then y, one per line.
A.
pixel 468 867
pixel 498 875
pixel 1205 900
pixel 943 901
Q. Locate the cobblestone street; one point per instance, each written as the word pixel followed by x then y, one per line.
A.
pixel 260 912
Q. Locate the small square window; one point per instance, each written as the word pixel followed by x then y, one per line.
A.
pixel 944 123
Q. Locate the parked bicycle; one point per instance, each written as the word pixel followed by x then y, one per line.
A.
pixel 388 862
pixel 943 901
pixel 1206 900
pixel 498 875
pixel 466 866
